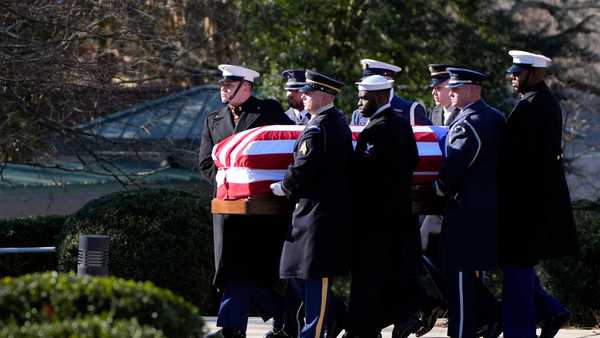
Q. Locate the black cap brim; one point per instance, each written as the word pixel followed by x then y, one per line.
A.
pixel 230 78
pixel 294 86
pixel 458 84
pixel 307 88
pixel 515 69
pixel 316 87
pixel 226 81
pixel 437 82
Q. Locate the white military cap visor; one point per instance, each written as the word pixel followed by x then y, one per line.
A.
pixel 522 60
pixel 237 73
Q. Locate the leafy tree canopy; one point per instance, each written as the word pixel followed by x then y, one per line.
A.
pixel 70 61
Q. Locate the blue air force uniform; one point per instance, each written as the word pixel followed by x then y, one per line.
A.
pixel 318 245
pixel 439 115
pixel 433 256
pixel 468 180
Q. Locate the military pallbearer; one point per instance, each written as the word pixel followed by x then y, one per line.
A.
pixel 246 248
pixel 468 181
pixel 318 181
pixel 536 220
pixel 386 253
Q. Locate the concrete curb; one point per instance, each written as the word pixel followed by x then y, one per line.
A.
pixel 257 328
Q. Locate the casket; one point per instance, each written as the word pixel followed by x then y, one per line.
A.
pixel 249 161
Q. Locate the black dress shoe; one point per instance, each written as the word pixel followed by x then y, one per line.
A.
pixel 227 333
pixel 411 325
pixel 493 330
pixel 348 334
pixel 277 334
pixel 551 326
pixel 217 334
pixel 428 320
pixel 333 330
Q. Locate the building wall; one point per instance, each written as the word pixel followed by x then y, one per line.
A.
pixel 43 200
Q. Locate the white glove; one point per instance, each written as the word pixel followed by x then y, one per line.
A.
pixel 432 224
pixel 277 188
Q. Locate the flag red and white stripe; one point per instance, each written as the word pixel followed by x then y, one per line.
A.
pixel 249 161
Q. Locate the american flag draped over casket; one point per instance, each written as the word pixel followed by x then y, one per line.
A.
pixel 249 161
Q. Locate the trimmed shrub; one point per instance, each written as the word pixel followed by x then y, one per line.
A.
pixel 53 297
pixel 576 280
pixel 160 235
pixel 91 327
pixel 341 288
pixel 29 232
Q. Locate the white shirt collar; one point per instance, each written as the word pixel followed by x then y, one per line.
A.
pixel 382 108
pixel 445 115
pixel 299 113
pixel 391 94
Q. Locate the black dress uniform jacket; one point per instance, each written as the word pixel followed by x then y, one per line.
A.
pixel 468 179
pixel 386 238
pixel 436 115
pixel 385 233
pixel 319 180
pixel 247 248
pixel 536 216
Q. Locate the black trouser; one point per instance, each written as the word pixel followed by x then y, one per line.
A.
pixel 291 318
pixel 470 304
pixel 377 302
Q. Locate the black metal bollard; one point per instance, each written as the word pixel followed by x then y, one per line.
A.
pixel 93 255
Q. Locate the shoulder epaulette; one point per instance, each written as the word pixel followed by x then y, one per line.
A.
pixel 313 128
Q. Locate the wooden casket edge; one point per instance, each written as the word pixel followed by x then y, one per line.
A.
pixel 424 202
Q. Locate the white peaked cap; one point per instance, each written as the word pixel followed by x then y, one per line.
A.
pixel 526 58
pixel 374 82
pixel 370 63
pixel 232 72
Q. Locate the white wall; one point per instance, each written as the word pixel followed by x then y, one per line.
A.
pixel 34 201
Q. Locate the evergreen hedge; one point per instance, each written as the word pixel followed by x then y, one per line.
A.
pixel 90 327
pixel 29 232
pixel 52 297
pixel 576 280
pixel 159 235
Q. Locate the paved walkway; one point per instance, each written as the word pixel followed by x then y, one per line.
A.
pixel 256 329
